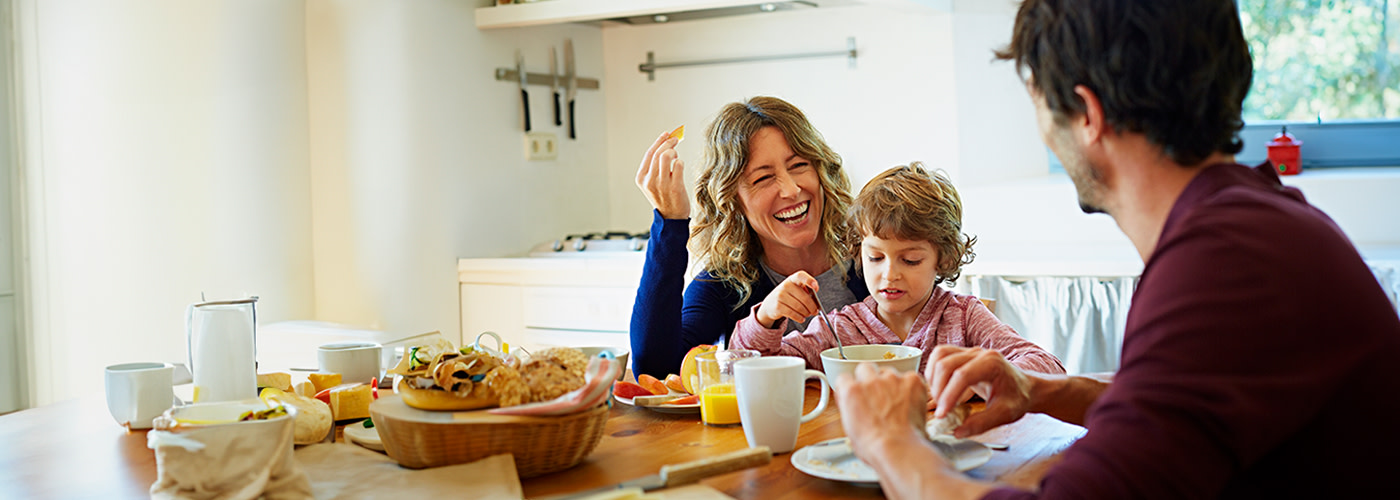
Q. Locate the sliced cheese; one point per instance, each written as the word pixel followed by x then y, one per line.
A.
pixel 279 380
pixel 323 381
pixel 306 389
pixel 351 402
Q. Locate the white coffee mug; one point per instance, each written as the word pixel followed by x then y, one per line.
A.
pixel 139 392
pixel 770 391
pixel 354 361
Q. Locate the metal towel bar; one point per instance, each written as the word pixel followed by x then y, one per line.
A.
pixel 651 65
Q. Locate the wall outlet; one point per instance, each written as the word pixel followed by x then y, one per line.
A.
pixel 541 146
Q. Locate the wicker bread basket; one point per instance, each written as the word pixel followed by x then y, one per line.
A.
pixel 419 439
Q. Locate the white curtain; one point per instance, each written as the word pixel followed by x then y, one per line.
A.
pixel 1078 319
pixel 1082 319
pixel 1388 274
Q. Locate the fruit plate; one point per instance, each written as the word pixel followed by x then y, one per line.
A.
pixel 690 409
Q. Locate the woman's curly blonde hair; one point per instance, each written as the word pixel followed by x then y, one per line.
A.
pixel 909 203
pixel 720 237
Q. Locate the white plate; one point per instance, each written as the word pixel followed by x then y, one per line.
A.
pixel 833 459
pixel 368 438
pixel 689 409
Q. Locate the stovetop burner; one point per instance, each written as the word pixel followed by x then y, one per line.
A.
pixel 592 244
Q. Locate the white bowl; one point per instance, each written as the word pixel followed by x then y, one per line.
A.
pixel 621 353
pixel 905 359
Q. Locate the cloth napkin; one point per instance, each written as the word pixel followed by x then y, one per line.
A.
pixel 234 461
pixel 597 388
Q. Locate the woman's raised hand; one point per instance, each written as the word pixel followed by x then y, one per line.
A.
pixel 661 178
pixel 792 299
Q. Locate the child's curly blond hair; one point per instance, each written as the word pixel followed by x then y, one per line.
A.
pixel 909 203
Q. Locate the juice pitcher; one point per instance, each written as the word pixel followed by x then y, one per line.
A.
pixel 222 339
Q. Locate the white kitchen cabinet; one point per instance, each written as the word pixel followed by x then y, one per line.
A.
pixel 573 11
pixel 537 302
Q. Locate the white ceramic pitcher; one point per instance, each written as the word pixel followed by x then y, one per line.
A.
pixel 222 349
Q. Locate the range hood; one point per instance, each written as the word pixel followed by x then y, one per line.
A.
pixel 633 11
pixel 690 15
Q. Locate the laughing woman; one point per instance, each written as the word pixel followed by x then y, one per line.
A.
pixel 772 201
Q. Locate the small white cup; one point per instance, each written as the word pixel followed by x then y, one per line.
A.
pixel 354 361
pixel 620 353
pixel 137 393
pixel 770 391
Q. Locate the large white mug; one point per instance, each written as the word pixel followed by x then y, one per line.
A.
pixel 770 391
pixel 139 392
pixel 354 361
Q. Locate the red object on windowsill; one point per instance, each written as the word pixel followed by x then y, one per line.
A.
pixel 1284 153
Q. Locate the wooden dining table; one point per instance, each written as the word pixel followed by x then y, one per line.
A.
pixel 73 449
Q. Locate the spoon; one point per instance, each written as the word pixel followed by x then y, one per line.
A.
pixel 821 311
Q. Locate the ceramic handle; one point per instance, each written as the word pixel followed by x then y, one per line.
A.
pixel 826 392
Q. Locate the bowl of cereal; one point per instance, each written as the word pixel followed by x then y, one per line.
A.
pixel 900 358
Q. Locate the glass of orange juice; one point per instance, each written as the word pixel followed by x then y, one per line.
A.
pixel 715 371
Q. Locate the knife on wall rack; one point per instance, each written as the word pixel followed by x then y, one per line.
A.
pixel 570 83
pixel 554 85
pixel 524 95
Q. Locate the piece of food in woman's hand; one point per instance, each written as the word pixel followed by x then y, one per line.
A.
pixel 629 390
pixel 656 387
pixel 674 383
pixel 949 422
pixel 678 134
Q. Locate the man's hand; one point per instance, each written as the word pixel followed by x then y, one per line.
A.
pixel 881 408
pixel 883 414
pixel 791 299
pixel 951 371
pixel 661 177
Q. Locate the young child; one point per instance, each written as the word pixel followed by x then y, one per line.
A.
pixel 911 222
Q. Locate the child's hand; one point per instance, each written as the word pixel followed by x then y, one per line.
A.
pixel 791 299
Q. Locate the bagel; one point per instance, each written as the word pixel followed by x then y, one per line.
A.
pixel 438 399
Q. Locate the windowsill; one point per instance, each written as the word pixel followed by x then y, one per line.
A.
pixel 1056 239
pixel 1326 173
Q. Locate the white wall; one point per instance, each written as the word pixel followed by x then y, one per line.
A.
pixel 13 374
pixel 417 155
pixel 165 152
pixel 926 88
pixel 897 105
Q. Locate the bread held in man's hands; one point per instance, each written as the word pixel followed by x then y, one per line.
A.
pixel 950 421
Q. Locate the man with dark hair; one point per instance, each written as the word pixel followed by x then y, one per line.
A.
pixel 1257 358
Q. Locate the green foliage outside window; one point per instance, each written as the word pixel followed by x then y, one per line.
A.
pixel 1319 60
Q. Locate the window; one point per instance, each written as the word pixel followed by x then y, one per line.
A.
pixel 1329 70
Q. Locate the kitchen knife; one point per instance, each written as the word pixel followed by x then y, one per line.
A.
pixel 570 82
pixel 524 96
pixel 554 86
pixel 686 473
